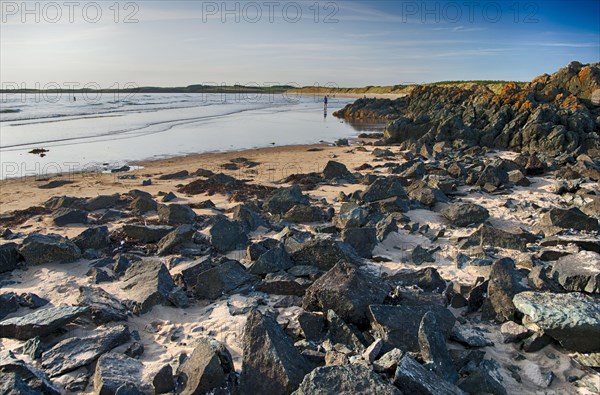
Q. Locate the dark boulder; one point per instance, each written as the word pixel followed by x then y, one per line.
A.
pixel 180 237
pixel 505 282
pixel 68 216
pixel 38 249
pixel 335 171
pixel 114 370
pixel 465 214
pixel 75 352
pixel 209 369
pixel 147 283
pixel 578 272
pixel 412 378
pixel 176 214
pixel 558 220
pixel 146 233
pixel 103 306
pixel 272 261
pixel 268 352
pixel 284 199
pixel 363 240
pixel 348 291
pixel 95 238
pixel 40 322
pixel 9 257
pixel 384 188
pixel 222 279
pixel 19 378
pixel 345 379
pixel 323 253
pixel 226 235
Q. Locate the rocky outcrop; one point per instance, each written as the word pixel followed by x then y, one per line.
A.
pixel 553 113
pixel 40 322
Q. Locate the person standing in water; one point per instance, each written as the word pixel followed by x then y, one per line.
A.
pixel 325 102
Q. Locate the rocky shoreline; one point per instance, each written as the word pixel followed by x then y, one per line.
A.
pixel 366 268
pixel 553 114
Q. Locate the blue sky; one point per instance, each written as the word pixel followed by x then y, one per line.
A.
pixel 348 43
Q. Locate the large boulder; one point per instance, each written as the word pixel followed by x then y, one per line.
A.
pixel 221 279
pixel 348 291
pixel 432 342
pixel 363 240
pixel 269 353
pixel 95 238
pixel 558 220
pixel 284 199
pixel 18 377
pixel 176 214
pixel 578 272
pixel 335 171
pixel 465 214
pixel 226 235
pixel 9 257
pixel 103 306
pixel 40 322
pixel 323 253
pixel 398 326
pixel 383 188
pixel 181 236
pixel 274 260
pixel 68 216
pixel 573 319
pixel 146 233
pixel 505 282
pixel 413 378
pixel 75 352
pixel 147 283
pixel 486 235
pixel 38 249
pixel 115 371
pixel 209 369
pixel 101 202
pixel 345 379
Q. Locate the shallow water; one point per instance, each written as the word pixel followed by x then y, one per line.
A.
pixel 107 133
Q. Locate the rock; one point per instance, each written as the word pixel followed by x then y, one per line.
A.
pixel 103 306
pixel 114 370
pixel 341 333
pixel 32 301
pixel 181 236
pixel 9 303
pixel 67 216
pixel 536 342
pixel 284 199
pixel 147 283
pixel 146 233
pixel 163 381
pixel 517 178
pixel 17 377
pixel 412 378
pixel 312 325
pixel 246 216
pixel 176 214
pixel 465 214
pixel 274 260
pixel 489 236
pixel 33 348
pixel 484 379
pixel 268 352
pixel 135 350
pixel 386 226
pixel 38 249
pixel 432 343
pixel 102 202
pixel 398 326
pixel 224 278
pixel 388 362
pixel 95 238
pixel 363 240
pixel 40 322
pixel 578 272
pixel 346 290
pixel 428 279
pixel 513 332
pixel 420 255
pixel 208 370
pixel 188 272
pixel 504 284
pixel 143 204
pixel 344 379
pixel 335 171
pixel 351 215
pixel 75 352
pixel 573 319
pixel 323 253
pixel 169 197
pixel 372 352
pixel 382 153
pixel 470 336
pixel 557 220
pixel 9 257
pixel 175 176
pixel 304 214
pixel 281 284
pixel 494 175
pixel 226 235
pixel 383 188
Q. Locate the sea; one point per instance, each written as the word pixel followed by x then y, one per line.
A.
pixel 42 134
